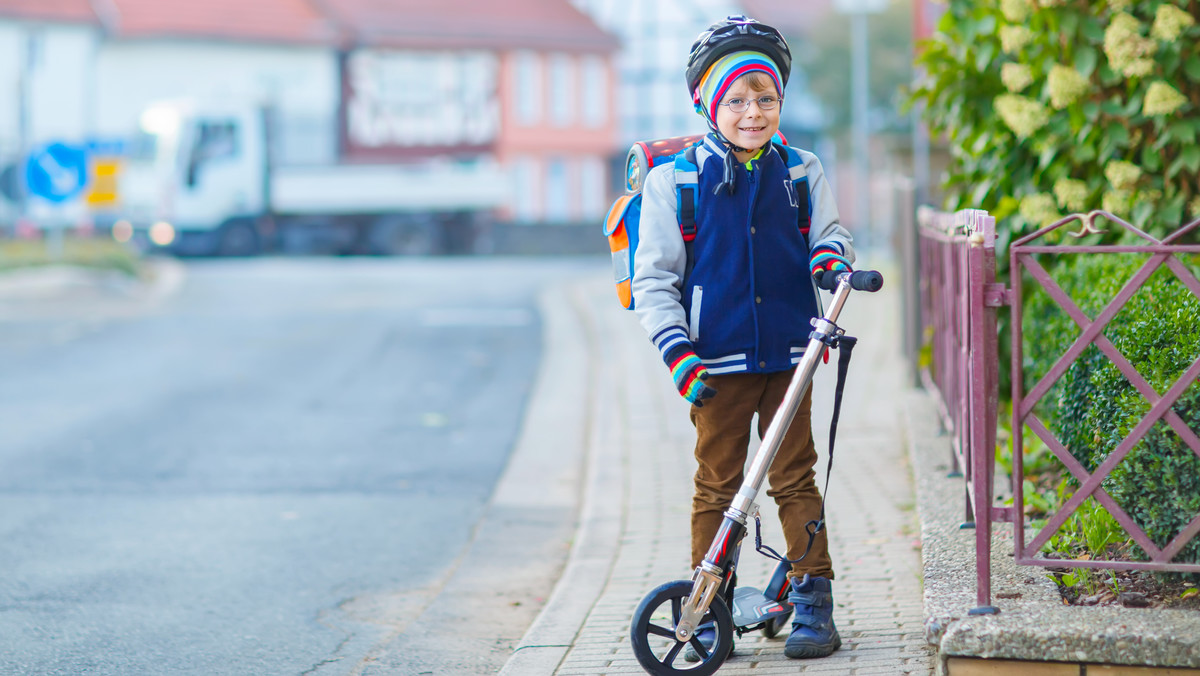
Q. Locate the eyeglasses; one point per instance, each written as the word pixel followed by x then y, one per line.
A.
pixel 740 105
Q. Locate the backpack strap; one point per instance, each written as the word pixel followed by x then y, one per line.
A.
pixel 800 181
pixel 687 199
pixel 687 189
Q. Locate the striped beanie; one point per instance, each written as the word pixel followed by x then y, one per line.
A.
pixel 724 71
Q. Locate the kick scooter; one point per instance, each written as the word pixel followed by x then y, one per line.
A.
pixel 668 618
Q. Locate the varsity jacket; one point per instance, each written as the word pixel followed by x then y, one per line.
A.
pixel 747 302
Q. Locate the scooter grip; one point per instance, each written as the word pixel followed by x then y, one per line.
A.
pixel 866 280
pixel 860 280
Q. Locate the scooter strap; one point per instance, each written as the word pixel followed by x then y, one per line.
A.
pixel 845 346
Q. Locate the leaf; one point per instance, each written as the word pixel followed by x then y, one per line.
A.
pixel 1151 160
pixel 1085 60
pixel 1191 158
pixel 983 59
pixel 1093 29
pixel 1189 593
pixel 1183 131
pixel 1117 134
pixel 1192 67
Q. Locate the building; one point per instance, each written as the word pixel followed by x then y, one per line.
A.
pixel 525 85
pixel 656 36
pixel 528 82
pixel 46 47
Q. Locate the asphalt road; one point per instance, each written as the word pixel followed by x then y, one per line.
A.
pixel 267 472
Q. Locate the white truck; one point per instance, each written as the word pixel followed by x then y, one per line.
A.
pixel 204 183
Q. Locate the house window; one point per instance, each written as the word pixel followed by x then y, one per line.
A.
pixel 529 88
pixel 591 187
pixel 562 90
pixel 526 196
pixel 594 89
pixel 558 191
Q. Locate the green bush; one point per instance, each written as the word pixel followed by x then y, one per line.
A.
pixel 1053 107
pixel 1094 407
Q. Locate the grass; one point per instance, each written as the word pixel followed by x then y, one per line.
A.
pixel 100 252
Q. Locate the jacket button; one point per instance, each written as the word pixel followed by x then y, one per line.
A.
pixel 762 364
pixel 758 299
pixel 753 230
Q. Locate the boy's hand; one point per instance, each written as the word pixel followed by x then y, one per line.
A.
pixel 689 374
pixel 827 259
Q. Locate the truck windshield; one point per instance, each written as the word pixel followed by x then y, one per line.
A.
pixel 215 140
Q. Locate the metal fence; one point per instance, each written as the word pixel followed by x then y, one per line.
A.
pixel 959 299
pixel 957 259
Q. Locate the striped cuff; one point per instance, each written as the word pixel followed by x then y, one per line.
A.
pixel 826 257
pixel 669 339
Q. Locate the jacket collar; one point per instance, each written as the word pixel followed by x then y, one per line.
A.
pixel 714 146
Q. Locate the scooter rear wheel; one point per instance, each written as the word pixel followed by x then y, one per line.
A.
pixel 652 633
pixel 775 625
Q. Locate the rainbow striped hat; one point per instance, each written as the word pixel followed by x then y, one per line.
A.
pixel 724 72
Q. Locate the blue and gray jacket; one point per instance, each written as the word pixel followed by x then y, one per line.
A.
pixel 748 300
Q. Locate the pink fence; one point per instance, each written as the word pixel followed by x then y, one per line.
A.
pixel 959 298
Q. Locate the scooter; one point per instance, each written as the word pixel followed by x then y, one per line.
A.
pixel 669 617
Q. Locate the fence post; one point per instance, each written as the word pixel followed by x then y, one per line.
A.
pixel 983 395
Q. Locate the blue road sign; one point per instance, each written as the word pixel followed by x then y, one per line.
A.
pixel 56 171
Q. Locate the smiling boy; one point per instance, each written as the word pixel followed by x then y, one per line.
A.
pixel 731 317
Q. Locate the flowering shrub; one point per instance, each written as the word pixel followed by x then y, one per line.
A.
pixel 1053 107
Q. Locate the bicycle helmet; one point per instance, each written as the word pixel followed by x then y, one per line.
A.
pixel 736 33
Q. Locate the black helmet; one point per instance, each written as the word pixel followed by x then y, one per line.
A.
pixel 736 33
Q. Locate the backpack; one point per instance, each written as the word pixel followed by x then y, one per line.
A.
pixel 624 216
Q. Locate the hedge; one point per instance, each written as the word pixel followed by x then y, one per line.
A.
pixel 1093 407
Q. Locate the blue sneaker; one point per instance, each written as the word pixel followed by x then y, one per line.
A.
pixel 813 631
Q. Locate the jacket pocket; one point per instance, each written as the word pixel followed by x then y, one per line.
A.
pixel 694 319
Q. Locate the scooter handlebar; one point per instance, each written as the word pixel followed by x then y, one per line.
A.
pixel 860 280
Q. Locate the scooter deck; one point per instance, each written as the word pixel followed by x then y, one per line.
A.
pixel 751 607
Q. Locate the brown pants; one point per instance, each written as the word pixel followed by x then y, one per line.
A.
pixel 722 439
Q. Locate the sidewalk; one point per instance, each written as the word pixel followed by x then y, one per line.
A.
pixel 634 520
pixel 905 568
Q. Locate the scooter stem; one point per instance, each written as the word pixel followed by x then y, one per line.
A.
pixel 801 380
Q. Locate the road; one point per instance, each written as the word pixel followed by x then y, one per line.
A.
pixel 270 471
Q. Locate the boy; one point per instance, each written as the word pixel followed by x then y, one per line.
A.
pixel 733 321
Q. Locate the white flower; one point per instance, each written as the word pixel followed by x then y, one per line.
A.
pixel 1162 99
pixel 1066 86
pixel 1039 209
pixel 1170 22
pixel 1016 11
pixel 1121 174
pixel 1116 202
pixel 1022 115
pixel 1016 76
pixel 1014 38
pixel 1071 194
pixel 1127 50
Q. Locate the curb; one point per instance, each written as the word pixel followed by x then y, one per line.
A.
pixel 162 278
pixel 1033 625
pixel 553 632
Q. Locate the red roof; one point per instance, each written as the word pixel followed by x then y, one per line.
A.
pixel 287 21
pixel 49 10
pixel 545 24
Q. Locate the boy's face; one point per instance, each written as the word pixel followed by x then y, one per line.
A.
pixel 754 127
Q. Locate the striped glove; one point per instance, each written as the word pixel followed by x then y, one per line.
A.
pixel 824 259
pixel 689 373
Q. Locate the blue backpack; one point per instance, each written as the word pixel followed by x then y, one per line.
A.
pixel 624 216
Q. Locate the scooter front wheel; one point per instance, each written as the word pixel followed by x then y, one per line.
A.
pixel 652 633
